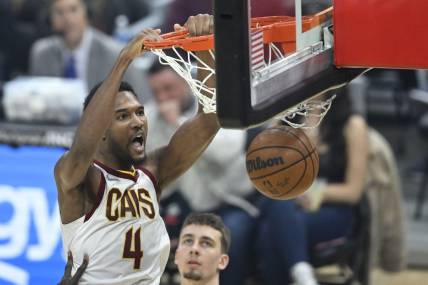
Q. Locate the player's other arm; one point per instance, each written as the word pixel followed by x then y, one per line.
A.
pixel 71 169
pixel 193 137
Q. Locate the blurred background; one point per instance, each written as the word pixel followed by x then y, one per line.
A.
pixel 48 61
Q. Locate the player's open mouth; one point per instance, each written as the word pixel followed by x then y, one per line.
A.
pixel 138 143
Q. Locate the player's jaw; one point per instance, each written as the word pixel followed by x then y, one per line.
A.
pixel 193 272
pixel 193 269
pixel 129 148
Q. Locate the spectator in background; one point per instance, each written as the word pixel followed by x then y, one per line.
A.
pixel 77 50
pixel 104 13
pixel 21 23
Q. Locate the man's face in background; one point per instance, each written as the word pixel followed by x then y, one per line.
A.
pixel 69 19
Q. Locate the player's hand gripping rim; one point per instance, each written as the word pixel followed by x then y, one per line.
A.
pixel 136 47
pixel 199 25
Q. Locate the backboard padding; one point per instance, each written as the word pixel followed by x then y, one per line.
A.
pixel 376 33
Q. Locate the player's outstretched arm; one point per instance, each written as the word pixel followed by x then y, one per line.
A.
pixel 193 137
pixel 71 169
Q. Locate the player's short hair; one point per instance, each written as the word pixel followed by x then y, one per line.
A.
pixel 213 221
pixel 124 86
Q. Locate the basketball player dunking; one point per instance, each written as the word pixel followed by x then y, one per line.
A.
pixel 108 187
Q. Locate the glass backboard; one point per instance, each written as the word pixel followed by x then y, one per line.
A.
pixel 256 82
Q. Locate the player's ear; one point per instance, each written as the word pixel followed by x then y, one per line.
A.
pixel 223 262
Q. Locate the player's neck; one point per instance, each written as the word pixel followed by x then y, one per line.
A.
pixel 114 163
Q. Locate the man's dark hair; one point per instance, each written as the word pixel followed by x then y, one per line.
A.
pixel 87 5
pixel 124 86
pixel 51 2
pixel 213 221
pixel 157 67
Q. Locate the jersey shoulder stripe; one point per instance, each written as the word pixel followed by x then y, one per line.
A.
pixel 152 178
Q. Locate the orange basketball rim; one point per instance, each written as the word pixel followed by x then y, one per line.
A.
pixel 276 29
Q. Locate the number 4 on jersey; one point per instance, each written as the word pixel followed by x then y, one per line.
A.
pixel 132 248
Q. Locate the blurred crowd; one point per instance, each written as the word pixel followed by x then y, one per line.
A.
pixel 82 42
pixel 271 241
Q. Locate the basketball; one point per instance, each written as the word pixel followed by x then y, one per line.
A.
pixel 282 162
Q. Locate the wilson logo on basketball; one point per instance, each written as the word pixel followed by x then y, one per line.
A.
pixel 258 163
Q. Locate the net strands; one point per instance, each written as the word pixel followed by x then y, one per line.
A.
pixel 309 113
pixel 186 67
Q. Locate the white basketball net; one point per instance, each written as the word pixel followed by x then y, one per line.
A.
pixel 309 114
pixel 187 66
